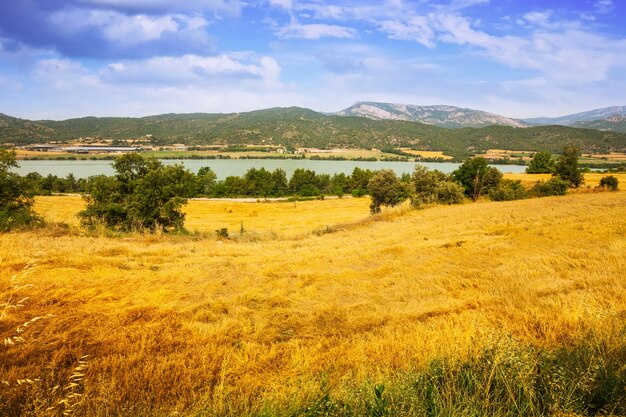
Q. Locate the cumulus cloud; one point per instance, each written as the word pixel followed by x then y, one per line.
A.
pixel 102 33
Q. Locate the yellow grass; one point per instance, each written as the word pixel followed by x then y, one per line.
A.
pixel 592 179
pixel 180 323
pixel 503 153
pixel 612 156
pixel 426 154
pixel 287 219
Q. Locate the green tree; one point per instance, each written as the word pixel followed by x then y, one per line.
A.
pixel 205 181
pixel 567 167
pixel 143 195
pixel 280 185
pixel 16 197
pixel 359 179
pixel 609 182
pixel 508 190
pixel 386 189
pixel 477 177
pixel 542 163
pixel 434 187
pixel 303 182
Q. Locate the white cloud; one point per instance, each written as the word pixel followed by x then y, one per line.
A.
pixel 286 4
pixel 123 29
pixel 226 6
pixel 604 6
pixel 65 75
pixel 194 70
pixel 417 29
pixel 296 30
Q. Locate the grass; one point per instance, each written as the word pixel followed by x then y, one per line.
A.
pixel 427 154
pixel 512 308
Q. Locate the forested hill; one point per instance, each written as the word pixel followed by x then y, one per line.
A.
pixel 300 127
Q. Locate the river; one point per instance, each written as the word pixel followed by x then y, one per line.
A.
pixel 227 167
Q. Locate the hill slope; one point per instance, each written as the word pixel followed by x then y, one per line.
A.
pixel 572 119
pixel 523 297
pixel 438 115
pixel 615 123
pixel 299 127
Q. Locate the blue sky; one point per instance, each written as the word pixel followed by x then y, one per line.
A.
pixel 72 58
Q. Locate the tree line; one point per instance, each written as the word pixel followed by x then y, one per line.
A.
pixel 144 194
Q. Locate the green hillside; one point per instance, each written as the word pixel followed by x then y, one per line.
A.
pixel 300 127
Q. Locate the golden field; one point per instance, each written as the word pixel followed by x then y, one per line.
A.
pixel 267 325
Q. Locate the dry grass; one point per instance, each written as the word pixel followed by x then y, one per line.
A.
pixel 182 324
pixel 427 154
pixel 611 156
pixel 592 179
pixel 503 153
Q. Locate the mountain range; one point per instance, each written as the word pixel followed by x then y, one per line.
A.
pixel 438 115
pixel 609 118
pixel 299 127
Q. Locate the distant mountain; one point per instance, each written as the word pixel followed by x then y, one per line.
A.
pixel 572 119
pixel 298 127
pixel 615 123
pixel 438 115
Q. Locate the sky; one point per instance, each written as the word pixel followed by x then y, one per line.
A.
pixel 62 59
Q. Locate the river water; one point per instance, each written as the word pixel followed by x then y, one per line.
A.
pixel 227 167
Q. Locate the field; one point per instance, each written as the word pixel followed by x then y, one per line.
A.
pixel 427 154
pixel 513 308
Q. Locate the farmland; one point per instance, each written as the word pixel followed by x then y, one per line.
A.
pixel 317 305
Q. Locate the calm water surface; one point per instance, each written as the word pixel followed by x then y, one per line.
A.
pixel 226 167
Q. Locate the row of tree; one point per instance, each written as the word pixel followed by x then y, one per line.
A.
pixel 144 194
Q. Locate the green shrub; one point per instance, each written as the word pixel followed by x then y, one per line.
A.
pixel 16 197
pixel 434 187
pixel 143 195
pixel 567 167
pixel 508 190
pixel 554 186
pixel 609 182
pixel 542 163
pixel 477 177
pixel 386 190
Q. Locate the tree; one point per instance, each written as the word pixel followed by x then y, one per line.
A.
pixel 16 197
pixel 359 179
pixel 205 181
pixel 434 187
pixel 477 177
pixel 143 195
pixel 609 182
pixel 508 190
pixel 542 163
pixel 567 167
pixel 303 182
pixel 386 190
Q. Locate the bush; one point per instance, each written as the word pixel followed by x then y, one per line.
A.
pixel 609 182
pixel 555 186
pixel 449 192
pixel 386 190
pixel 434 187
pixel 508 190
pixel 143 195
pixel 542 163
pixel 16 197
pixel 476 177
pixel 567 167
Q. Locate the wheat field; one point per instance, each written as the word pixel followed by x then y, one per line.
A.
pixel 312 308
